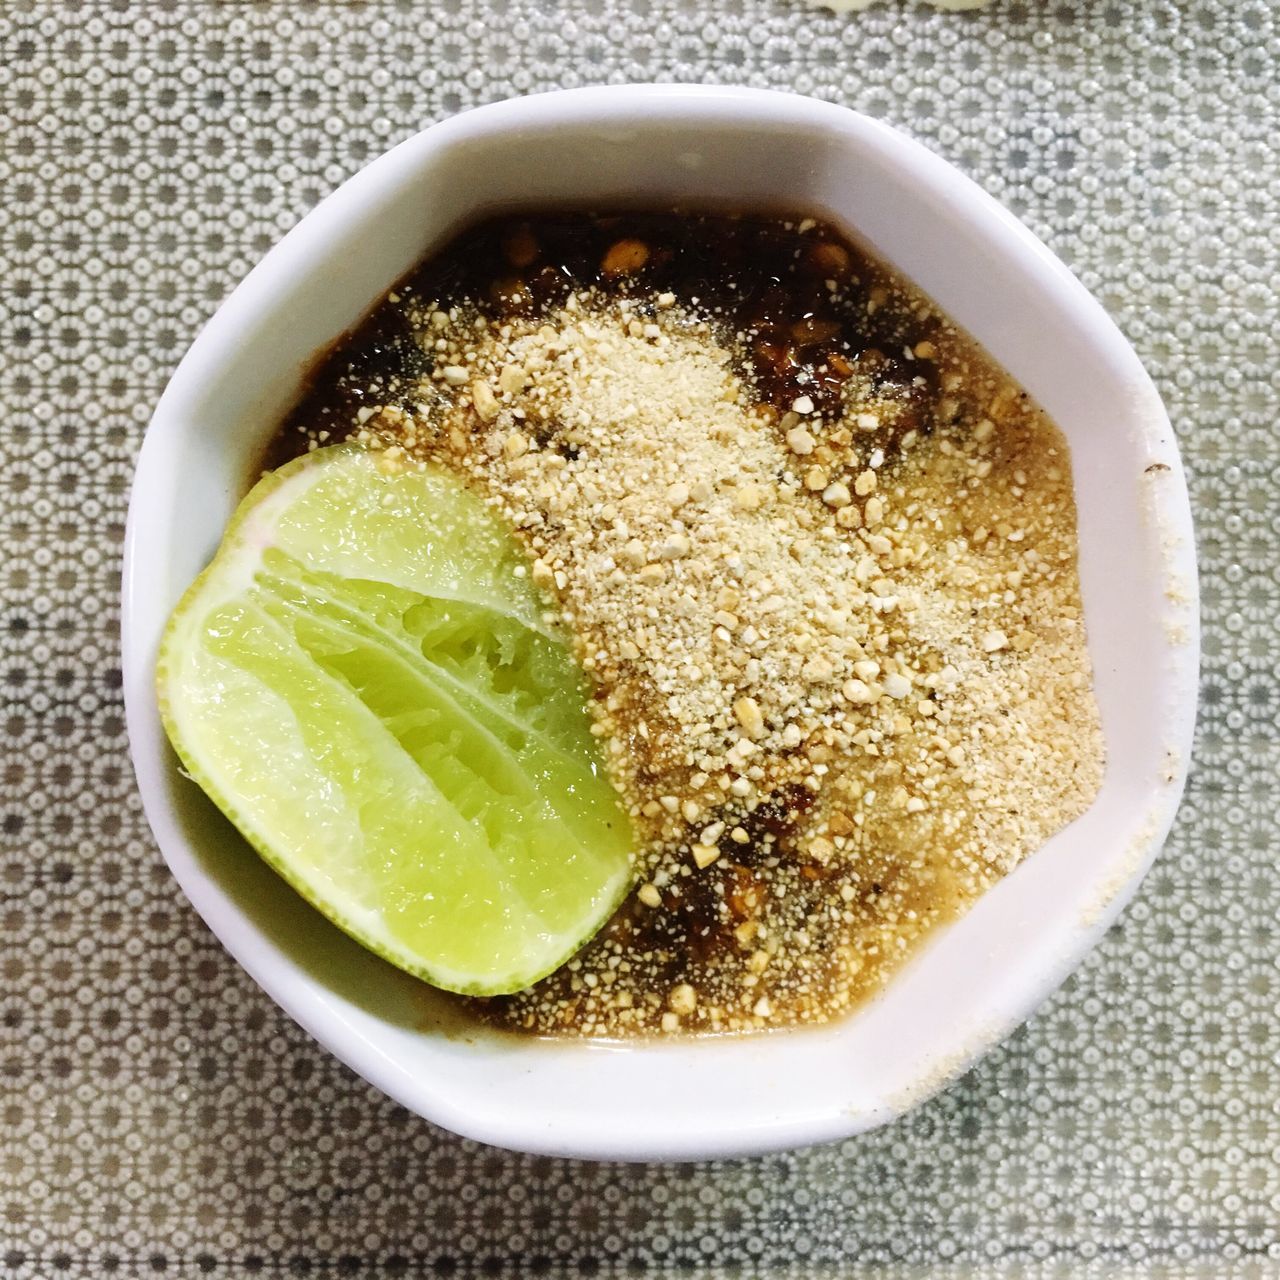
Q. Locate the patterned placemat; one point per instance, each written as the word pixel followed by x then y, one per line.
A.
pixel 157 1113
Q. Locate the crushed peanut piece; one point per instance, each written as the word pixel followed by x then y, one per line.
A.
pixel 704 855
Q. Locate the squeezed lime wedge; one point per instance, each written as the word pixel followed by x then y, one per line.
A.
pixel 364 682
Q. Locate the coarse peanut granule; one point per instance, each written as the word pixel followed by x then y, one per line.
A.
pixel 838 652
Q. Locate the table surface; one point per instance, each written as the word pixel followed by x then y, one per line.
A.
pixel 159 1113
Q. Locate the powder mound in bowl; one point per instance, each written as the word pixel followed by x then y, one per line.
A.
pixel 818 556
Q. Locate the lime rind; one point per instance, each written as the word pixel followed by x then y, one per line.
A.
pixel 364 681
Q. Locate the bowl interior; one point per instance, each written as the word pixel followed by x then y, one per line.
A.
pixel 743 150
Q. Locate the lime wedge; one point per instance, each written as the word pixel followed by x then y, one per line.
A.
pixel 364 682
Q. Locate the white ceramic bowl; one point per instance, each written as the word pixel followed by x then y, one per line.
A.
pixel 978 978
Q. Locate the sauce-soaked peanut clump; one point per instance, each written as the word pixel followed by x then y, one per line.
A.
pixel 818 556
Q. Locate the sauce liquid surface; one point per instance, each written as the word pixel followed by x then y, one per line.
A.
pixel 848 854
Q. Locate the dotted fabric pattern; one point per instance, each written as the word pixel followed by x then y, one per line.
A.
pixel 158 1114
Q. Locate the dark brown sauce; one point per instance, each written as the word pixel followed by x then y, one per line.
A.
pixel 807 310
